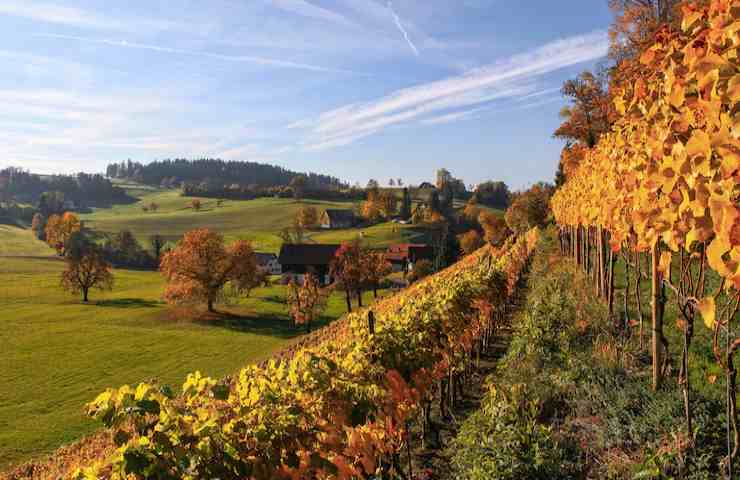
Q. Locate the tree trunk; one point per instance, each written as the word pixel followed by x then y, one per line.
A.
pixel 657 346
pixel 638 295
pixel 610 296
pixel 349 302
pixel 359 298
pixel 210 305
pixel 84 294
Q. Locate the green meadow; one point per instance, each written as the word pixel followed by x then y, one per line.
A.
pixel 16 241
pixel 259 220
pixel 59 354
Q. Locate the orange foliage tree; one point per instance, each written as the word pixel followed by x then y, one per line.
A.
pixel 376 269
pixel 307 217
pixel 494 227
pixel 470 241
pixel 38 226
pixel 201 265
pixel 348 269
pixel 306 301
pixel 59 230
pixel 86 271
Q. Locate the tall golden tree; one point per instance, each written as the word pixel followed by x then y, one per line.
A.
pixel 307 217
pixel 201 265
pixel 590 113
pixel 59 230
pixel 86 271
pixel 308 301
pixel 635 25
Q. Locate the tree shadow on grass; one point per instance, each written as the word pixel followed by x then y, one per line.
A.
pixel 128 303
pixel 265 325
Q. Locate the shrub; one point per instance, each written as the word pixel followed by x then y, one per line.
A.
pixel 505 440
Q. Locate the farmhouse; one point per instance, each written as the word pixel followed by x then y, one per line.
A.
pixel 298 259
pixel 334 218
pixel 269 262
pixel 403 256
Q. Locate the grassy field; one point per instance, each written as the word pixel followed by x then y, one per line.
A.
pixel 19 241
pixel 259 221
pixel 59 353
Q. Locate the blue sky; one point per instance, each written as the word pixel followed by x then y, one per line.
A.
pixel 356 88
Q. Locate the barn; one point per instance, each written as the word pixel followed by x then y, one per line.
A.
pixel 336 218
pixel 298 259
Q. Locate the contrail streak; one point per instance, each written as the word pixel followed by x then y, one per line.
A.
pixel 403 30
pixel 217 56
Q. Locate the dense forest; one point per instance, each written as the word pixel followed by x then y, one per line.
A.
pixel 213 174
pixel 53 192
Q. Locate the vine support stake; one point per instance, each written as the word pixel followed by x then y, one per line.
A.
pixel 657 352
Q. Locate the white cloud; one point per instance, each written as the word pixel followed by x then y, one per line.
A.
pixel 451 117
pixel 509 78
pixel 196 53
pixel 309 10
pixel 57 14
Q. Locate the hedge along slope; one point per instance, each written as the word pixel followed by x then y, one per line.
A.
pixel 336 410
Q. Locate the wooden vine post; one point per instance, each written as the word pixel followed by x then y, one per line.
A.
pixel 657 316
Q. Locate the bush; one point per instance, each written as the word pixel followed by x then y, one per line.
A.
pixel 504 439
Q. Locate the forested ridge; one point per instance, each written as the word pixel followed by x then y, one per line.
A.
pixel 215 173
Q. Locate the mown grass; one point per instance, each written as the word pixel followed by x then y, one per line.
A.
pixel 259 220
pixel 59 354
pixel 19 241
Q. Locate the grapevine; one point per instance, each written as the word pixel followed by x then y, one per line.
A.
pixel 338 408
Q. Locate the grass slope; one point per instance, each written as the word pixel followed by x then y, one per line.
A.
pixel 259 220
pixel 59 354
pixel 19 241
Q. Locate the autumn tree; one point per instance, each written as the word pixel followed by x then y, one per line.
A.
pixel 59 229
pixel 86 270
pixel 422 269
pixel 495 229
pixel 295 234
pixel 308 301
pixel 201 265
pixel 635 25
pixel 530 208
pixel 371 208
pixel 298 184
pixel 377 267
pixel 387 203
pixel 196 205
pixel 347 268
pixel 307 217
pixel 38 226
pixel 470 241
pixel 590 112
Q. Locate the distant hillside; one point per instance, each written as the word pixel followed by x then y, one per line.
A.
pixel 216 173
pixel 56 193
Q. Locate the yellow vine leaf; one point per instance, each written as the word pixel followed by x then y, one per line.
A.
pixel 699 144
pixel 707 308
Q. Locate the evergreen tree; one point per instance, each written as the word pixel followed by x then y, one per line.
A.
pixel 406 205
